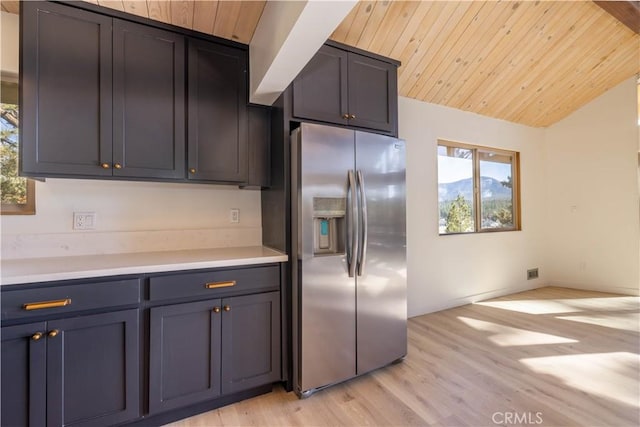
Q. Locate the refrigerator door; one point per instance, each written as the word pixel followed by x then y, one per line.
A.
pixel 324 316
pixel 381 283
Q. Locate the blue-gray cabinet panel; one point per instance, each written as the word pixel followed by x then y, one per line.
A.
pixel 320 90
pixel 66 114
pixel 184 354
pixel 83 296
pixel 93 369
pixel 250 341
pixel 373 93
pixel 23 375
pixel 148 101
pixel 217 109
pixel 348 88
pixel 186 284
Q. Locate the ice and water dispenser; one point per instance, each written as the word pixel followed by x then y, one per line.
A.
pixel 329 225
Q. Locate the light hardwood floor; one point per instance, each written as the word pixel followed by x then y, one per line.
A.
pixel 549 357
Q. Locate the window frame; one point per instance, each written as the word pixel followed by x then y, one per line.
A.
pixel 477 201
pixel 28 208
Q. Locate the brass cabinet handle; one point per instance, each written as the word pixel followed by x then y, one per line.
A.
pixel 345 116
pixel 117 166
pixel 53 333
pixel 215 285
pixel 226 308
pixel 216 309
pixel 352 116
pixel 192 170
pixel 46 304
pixel 105 165
pixel 36 336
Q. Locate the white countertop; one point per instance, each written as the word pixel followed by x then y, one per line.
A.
pixel 17 271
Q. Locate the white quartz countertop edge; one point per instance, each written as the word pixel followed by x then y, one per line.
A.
pixel 33 270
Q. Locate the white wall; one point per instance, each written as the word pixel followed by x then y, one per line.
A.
pixel 591 162
pixel 131 217
pixel 9 25
pixel 135 206
pixel 446 271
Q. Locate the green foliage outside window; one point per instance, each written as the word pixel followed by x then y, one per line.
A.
pixel 13 188
pixel 17 194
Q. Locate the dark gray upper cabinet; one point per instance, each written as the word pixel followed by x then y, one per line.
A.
pixel 373 93
pixel 348 88
pixel 66 110
pixel 259 146
pixel 320 90
pixel 101 97
pixel 148 102
pixel 217 111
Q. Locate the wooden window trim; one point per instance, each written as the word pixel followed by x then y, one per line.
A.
pixel 477 202
pixel 28 208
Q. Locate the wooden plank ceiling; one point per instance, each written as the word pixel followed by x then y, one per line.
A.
pixel 528 62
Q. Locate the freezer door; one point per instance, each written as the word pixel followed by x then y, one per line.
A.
pixel 325 317
pixel 381 283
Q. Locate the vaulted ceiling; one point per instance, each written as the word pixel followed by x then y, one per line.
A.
pixel 529 62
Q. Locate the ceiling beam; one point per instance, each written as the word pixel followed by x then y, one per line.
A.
pixel 627 12
pixel 288 35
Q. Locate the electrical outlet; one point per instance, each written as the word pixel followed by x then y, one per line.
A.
pixel 234 216
pixel 84 220
pixel 532 274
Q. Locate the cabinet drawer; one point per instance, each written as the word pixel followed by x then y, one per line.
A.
pixel 215 283
pixel 27 303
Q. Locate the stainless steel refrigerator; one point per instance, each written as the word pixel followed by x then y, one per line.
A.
pixel 348 254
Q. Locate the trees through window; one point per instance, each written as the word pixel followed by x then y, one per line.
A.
pixel 478 189
pixel 17 194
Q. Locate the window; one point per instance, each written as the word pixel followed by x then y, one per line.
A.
pixel 478 189
pixel 17 194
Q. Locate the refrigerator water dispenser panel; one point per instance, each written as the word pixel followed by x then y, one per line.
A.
pixel 328 225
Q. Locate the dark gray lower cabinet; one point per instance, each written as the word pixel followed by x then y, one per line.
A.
pixel 203 349
pixel 24 375
pixel 250 341
pixel 93 369
pixel 81 371
pixel 184 354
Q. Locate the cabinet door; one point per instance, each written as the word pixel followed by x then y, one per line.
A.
pixel 217 111
pixel 23 375
pixel 184 354
pixel 66 117
pixel 259 146
pixel 320 90
pixel 250 341
pixel 93 369
pixel 373 93
pixel 148 102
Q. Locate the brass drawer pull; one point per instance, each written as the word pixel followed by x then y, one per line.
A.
pixel 215 285
pixel 46 304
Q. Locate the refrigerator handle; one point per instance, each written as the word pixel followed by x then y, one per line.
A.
pixel 352 226
pixel 362 255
